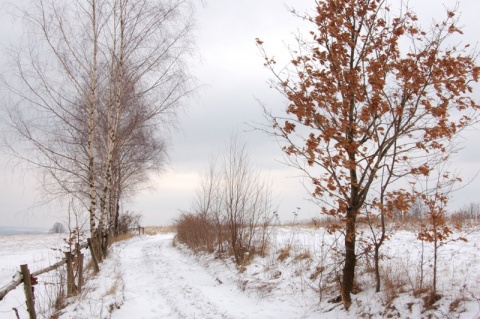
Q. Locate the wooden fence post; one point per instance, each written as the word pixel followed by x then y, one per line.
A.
pixel 79 254
pixel 98 245
pixel 27 285
pixel 70 277
pixel 94 257
pixel 80 272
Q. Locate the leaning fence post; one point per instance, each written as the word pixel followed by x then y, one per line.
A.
pixel 94 257
pixel 27 285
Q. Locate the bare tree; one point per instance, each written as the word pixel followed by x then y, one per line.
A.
pixel 141 149
pixel 435 191
pixel 246 199
pixel 208 201
pixel 52 70
pixel 150 41
pixel 94 93
pixel 236 200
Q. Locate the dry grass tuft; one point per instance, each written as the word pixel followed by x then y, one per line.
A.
pixel 318 270
pixel 420 291
pixel 284 253
pixel 155 230
pixel 121 237
pixel 311 223
pixel 248 257
pixel 117 284
pixel 303 255
pixel 394 282
pixel 113 289
pixel 52 300
pixel 430 300
pixel 58 305
pixel 456 305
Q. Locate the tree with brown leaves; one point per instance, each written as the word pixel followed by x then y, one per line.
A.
pixel 370 95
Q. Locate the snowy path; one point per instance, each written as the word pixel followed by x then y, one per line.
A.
pixel 145 277
pixel 161 282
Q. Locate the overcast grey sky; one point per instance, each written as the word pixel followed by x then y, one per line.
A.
pixel 232 72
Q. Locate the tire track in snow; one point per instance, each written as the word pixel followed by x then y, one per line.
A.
pixel 160 282
pixel 142 298
pixel 181 280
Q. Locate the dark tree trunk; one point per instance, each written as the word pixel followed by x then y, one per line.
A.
pixel 350 259
pixel 117 216
pixel 117 213
pixel 98 245
pixel 376 259
pixel 105 244
pixel 379 244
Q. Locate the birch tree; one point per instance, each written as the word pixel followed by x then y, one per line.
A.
pixel 94 93
pixel 53 84
pixel 150 42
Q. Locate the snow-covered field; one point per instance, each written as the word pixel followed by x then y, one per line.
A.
pixel 37 251
pixel 148 277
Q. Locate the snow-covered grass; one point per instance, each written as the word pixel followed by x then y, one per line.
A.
pixel 37 251
pixel 152 276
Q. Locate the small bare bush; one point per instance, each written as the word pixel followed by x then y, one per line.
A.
pixel 127 221
pixel 231 210
pixel 196 231
pixel 394 283
pixel 51 299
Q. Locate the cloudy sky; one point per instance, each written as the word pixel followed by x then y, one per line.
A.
pixel 231 71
